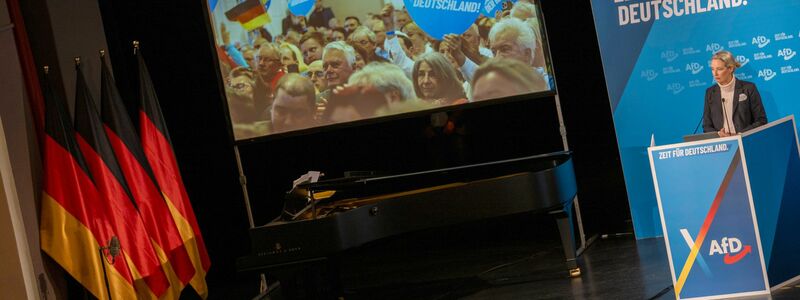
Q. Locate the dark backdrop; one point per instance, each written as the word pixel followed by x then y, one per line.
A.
pixel 178 49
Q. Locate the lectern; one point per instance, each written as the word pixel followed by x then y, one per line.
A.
pixel 730 211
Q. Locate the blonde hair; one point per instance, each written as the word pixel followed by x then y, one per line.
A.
pixel 523 11
pixel 727 58
pixel 298 56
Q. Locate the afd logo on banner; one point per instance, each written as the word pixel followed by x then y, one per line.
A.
pixel 694 67
pixel 440 17
pixel 767 74
pixel 761 41
pixel 714 47
pixel 669 55
pixel 786 53
pixel 675 88
pixel 742 60
pixel 301 7
pixel 649 74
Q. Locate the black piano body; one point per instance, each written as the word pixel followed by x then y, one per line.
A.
pixel 367 209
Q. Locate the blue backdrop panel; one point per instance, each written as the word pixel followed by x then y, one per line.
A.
pixel 656 62
pixel 773 162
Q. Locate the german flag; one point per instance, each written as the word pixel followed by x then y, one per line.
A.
pixel 158 150
pixel 73 224
pixel 250 13
pixel 150 279
pixel 152 207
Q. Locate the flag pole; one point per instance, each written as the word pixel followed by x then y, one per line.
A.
pixel 243 183
pixel 113 249
pixel 263 287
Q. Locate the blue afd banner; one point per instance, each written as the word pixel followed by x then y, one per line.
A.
pixel 656 62
pixel 708 219
pixel 301 7
pixel 490 7
pixel 440 17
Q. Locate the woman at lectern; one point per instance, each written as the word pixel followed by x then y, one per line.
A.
pixel 731 106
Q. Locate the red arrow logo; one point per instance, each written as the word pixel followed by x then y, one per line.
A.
pixel 729 260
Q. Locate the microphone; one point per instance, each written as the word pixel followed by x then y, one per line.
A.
pixel 698 124
pixel 725 116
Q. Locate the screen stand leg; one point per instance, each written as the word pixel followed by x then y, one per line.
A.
pixel 564 223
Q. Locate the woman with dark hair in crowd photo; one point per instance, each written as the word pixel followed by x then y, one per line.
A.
pixel 435 80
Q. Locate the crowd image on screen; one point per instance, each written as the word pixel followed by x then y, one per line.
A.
pixel 324 68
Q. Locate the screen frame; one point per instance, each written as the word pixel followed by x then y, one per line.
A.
pixel 533 96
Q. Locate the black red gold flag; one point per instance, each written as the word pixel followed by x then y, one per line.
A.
pixel 153 208
pixel 158 150
pixel 116 195
pixel 74 225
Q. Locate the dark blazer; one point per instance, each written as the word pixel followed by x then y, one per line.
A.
pixel 748 112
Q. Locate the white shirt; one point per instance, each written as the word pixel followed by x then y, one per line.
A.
pixel 726 92
pixel 485 51
pixel 468 69
pixel 397 56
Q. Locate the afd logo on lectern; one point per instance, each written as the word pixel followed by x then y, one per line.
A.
pixel 732 249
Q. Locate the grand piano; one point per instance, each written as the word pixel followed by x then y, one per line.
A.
pixel 340 214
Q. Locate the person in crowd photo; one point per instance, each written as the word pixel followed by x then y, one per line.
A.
pixel 503 77
pixel 377 89
pixel 436 81
pixel 294 106
pixel 514 39
pixel 350 24
pixel 418 38
pixel 338 61
pixel 292 59
pixel 337 34
pixel 316 74
pixel 379 29
pixel 321 15
pixel 311 45
pixel 249 119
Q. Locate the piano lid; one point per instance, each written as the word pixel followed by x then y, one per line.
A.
pixel 358 187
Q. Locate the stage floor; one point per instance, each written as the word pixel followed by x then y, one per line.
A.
pixel 448 264
pixel 513 258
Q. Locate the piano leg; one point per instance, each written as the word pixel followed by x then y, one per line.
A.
pixel 567 241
